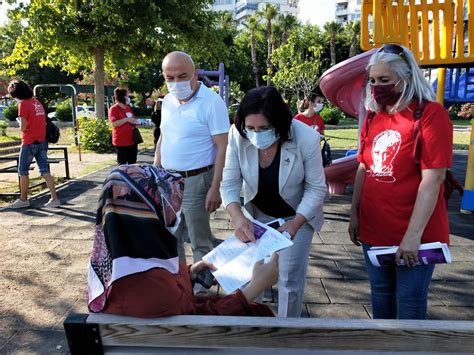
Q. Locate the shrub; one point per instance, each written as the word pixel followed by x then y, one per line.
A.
pixel 64 111
pixel 453 115
pixel 11 112
pixel 3 128
pixel 331 115
pixel 96 134
pixel 466 111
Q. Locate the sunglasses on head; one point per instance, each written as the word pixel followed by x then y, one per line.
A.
pixel 393 49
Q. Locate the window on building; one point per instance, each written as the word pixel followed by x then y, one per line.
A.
pixel 223 2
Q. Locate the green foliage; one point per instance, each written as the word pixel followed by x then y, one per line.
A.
pixel 3 128
pixel 235 94
pixel 64 111
pixel 453 115
pixel 96 134
pixel 331 115
pixel 298 62
pixel 11 112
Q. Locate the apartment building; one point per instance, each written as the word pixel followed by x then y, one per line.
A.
pixel 242 9
pixel 348 10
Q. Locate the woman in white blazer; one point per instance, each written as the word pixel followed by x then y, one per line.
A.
pixel 277 163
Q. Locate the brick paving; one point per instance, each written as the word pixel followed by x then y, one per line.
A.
pixel 45 253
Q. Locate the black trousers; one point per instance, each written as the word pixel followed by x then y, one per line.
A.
pixel 127 154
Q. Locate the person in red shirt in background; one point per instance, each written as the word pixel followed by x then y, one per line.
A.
pixel 398 200
pixel 308 115
pixel 122 120
pixel 32 120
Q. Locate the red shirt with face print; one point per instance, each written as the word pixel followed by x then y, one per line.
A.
pixel 392 178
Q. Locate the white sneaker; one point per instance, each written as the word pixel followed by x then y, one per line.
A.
pixel 53 203
pixel 19 204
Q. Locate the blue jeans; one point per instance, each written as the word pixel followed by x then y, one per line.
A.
pixel 398 292
pixel 37 151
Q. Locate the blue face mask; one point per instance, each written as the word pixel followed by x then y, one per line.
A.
pixel 262 139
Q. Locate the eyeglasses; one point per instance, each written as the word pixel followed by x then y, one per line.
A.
pixel 394 49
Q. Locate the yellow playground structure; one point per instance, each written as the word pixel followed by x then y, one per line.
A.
pixel 439 33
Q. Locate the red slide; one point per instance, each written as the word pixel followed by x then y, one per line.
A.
pixel 343 85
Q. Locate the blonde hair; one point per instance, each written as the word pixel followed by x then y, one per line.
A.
pixel 415 86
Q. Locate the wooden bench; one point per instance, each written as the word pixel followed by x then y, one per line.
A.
pixel 10 156
pixel 102 333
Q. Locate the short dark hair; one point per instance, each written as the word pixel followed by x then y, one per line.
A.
pixel 18 89
pixel 267 101
pixel 120 94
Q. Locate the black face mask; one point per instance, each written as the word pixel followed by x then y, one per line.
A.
pixel 385 94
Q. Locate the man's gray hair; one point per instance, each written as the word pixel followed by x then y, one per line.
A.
pixel 415 86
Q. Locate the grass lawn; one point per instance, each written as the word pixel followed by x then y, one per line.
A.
pixel 461 122
pixel 338 138
pixel 67 138
pixel 347 139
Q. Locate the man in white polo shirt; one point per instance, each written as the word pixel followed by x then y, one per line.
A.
pixel 193 141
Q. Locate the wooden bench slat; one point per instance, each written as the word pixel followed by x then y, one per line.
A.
pixel 220 332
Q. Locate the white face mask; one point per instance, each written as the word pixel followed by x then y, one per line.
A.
pixel 180 89
pixel 318 107
pixel 127 100
pixel 262 139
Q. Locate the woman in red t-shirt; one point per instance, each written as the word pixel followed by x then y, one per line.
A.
pixel 122 119
pixel 398 200
pixel 308 116
pixel 32 120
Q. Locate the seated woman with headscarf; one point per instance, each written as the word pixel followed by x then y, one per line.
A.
pixel 134 268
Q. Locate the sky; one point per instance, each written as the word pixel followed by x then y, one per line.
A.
pixel 317 12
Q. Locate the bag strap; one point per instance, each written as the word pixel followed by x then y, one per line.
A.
pixel 417 115
pixel 125 113
pixel 368 120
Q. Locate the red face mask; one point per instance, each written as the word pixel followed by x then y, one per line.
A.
pixel 385 94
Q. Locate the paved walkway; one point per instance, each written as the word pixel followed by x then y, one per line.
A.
pixel 45 253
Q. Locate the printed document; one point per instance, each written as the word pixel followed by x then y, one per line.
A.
pixel 234 259
pixel 429 253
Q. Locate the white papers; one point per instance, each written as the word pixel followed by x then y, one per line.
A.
pixel 234 259
pixel 429 253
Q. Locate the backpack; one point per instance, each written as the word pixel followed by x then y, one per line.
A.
pixel 326 152
pixel 450 182
pixel 52 131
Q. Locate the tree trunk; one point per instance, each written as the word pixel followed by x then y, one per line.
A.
pixel 99 82
pixel 332 46
pixel 269 53
pixel 253 50
pixel 353 49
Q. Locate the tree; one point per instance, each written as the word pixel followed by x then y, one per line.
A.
pixel 288 23
pixel 268 14
pixel 31 72
pixel 299 62
pixel 106 35
pixel 333 30
pixel 253 25
pixel 353 29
